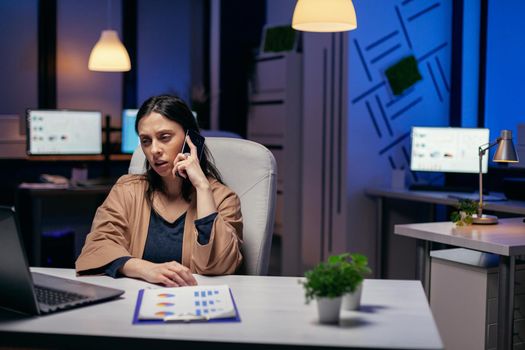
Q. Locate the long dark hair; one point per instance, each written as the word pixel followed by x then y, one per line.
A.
pixel 174 109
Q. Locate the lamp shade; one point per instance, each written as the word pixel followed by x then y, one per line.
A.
pixel 505 153
pixel 109 54
pixel 324 16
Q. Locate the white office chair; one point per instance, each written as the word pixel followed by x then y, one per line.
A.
pixel 249 169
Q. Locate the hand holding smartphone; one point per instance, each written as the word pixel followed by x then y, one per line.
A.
pixel 198 140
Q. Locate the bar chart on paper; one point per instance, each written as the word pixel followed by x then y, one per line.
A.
pixel 198 303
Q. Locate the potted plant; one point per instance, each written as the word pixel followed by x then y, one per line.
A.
pixel 356 266
pixel 329 281
pixel 463 216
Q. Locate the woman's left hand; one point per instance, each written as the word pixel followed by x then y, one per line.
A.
pixel 188 166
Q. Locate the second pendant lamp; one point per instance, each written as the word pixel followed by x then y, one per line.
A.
pixel 324 16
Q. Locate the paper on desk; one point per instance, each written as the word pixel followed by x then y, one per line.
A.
pixel 187 303
pixel 42 185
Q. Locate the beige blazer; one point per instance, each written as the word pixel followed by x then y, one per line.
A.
pixel 120 228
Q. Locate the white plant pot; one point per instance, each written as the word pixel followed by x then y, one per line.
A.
pixel 328 309
pixel 352 301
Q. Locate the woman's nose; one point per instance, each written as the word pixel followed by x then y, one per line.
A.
pixel 155 147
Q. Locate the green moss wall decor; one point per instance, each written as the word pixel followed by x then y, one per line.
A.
pixel 278 39
pixel 403 75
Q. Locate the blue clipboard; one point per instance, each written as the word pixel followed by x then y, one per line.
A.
pixel 136 320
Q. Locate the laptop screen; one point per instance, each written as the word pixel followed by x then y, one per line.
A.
pixel 16 292
pixel 18 284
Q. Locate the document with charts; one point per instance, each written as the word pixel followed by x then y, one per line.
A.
pixel 197 303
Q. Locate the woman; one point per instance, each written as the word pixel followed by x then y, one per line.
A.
pixel 177 219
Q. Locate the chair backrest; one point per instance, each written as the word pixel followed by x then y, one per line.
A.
pixel 249 169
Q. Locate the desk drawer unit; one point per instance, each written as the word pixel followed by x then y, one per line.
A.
pixel 464 299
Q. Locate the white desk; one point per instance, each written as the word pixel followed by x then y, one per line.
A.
pixel 395 314
pixel 420 200
pixel 446 198
pixel 507 239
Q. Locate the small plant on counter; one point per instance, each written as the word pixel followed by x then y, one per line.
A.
pixel 326 280
pixel 463 216
pixel 329 281
pixel 339 275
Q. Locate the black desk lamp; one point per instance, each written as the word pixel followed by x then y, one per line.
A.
pixel 505 153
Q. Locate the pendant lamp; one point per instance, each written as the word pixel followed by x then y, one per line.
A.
pixel 109 54
pixel 324 16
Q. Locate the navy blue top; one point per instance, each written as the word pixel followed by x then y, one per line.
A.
pixel 164 241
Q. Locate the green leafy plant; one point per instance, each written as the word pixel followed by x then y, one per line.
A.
pixel 465 209
pixel 359 264
pixel 340 274
pixel 280 38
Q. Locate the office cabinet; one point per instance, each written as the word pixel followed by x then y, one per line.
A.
pixel 464 299
pixel 275 120
pixel 298 109
pixel 324 145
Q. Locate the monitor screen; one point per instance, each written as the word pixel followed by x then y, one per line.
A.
pixel 130 139
pixel 64 132
pixel 453 150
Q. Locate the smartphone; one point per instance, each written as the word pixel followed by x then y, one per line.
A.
pixel 198 141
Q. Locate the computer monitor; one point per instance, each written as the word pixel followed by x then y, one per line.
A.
pixel 130 139
pixel 64 132
pixel 447 149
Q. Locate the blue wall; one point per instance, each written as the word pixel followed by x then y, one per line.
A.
pixel 279 11
pixel 163 48
pixel 470 64
pixel 18 62
pixel 164 36
pixel 505 84
pixel 379 121
pixel 79 24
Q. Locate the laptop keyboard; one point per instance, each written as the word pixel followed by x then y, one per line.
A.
pixel 53 297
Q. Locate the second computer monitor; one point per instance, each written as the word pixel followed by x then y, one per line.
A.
pixel 447 149
pixel 130 139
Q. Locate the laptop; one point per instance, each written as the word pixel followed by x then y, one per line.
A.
pixel 36 293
